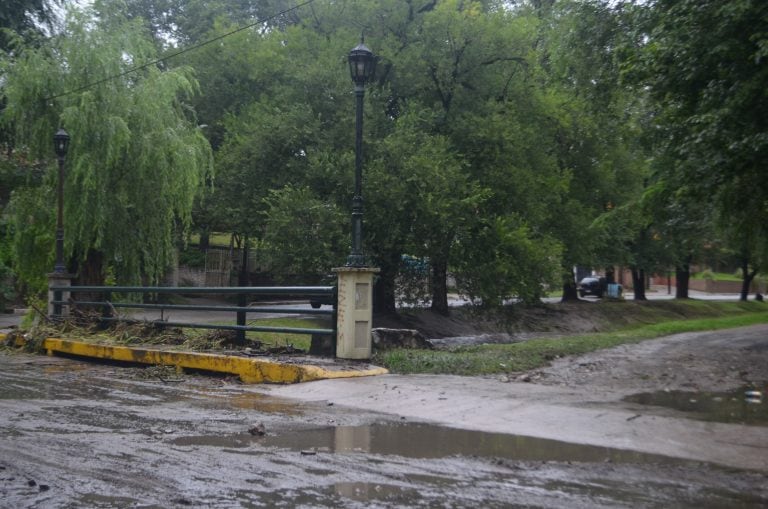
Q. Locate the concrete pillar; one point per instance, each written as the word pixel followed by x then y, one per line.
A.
pixel 56 312
pixel 355 312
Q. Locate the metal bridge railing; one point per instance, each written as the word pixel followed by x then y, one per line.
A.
pixel 322 294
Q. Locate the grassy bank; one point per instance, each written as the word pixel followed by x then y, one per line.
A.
pixel 523 356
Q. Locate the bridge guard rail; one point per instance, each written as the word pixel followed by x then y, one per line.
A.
pixel 61 304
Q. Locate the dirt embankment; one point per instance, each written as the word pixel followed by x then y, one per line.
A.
pixel 554 319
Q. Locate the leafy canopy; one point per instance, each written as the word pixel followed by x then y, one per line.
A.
pixel 136 160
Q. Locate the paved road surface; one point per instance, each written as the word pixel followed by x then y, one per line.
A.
pixel 75 434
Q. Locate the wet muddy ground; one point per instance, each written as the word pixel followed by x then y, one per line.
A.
pixel 79 434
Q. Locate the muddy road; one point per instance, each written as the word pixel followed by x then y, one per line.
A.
pixel 578 434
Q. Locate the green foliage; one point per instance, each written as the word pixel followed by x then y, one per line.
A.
pixel 192 257
pixel 304 236
pixel 505 259
pixel 28 18
pixel 704 65
pixel 501 143
pixel 136 160
pixel 31 228
pixel 413 281
pixel 596 128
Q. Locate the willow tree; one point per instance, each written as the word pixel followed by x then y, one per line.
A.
pixel 136 161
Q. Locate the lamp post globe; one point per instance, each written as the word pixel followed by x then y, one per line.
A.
pixel 61 143
pixel 362 64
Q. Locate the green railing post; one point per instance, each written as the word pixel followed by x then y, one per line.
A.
pixel 242 301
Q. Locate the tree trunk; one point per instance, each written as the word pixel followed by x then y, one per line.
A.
pixel 683 277
pixel 90 273
pixel 242 275
pixel 638 283
pixel 569 285
pixel 747 278
pixel 205 241
pixel 91 270
pixel 570 292
pixel 384 286
pixel 439 286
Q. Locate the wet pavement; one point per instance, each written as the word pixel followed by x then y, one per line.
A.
pixel 80 434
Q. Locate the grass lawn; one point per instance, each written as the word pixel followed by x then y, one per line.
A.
pixel 214 239
pixel 509 358
pixel 716 276
pixel 275 339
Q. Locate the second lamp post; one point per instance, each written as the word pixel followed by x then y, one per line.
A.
pixel 361 67
pixel 60 146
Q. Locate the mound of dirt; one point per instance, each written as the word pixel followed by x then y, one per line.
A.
pixel 547 319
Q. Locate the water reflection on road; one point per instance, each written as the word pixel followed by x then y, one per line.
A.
pixel 103 436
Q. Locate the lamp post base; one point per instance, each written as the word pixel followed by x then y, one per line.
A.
pixel 355 312
pixel 56 309
pixel 356 261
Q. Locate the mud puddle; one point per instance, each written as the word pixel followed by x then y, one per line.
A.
pixel 745 405
pixel 425 441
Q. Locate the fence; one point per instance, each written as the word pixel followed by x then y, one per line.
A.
pixel 318 294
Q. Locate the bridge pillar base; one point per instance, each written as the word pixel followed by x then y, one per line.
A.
pixel 354 312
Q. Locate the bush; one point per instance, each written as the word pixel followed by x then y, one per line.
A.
pixel 192 257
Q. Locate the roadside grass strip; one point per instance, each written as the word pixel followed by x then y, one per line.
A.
pixel 492 359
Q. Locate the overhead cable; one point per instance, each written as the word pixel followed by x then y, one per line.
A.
pixel 177 53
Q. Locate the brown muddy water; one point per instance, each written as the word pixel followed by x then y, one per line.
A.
pixel 419 440
pixel 745 405
pixel 75 434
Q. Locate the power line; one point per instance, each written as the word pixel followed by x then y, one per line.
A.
pixel 177 53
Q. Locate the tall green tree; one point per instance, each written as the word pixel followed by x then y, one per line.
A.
pixel 303 236
pixel 454 127
pixel 25 19
pixel 704 63
pixel 136 160
pixel 595 121
pixel 468 64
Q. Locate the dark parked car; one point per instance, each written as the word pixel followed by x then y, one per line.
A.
pixel 316 302
pixel 591 286
pixel 323 300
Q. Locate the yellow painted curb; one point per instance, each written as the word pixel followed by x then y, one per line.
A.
pixel 249 369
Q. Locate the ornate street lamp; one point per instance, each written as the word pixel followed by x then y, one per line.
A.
pixel 59 276
pixel 362 64
pixel 60 145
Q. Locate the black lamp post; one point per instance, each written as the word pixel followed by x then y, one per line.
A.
pixel 60 145
pixel 361 67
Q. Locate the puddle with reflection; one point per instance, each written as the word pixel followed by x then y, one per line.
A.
pixel 263 403
pixel 735 406
pixel 236 441
pixel 210 398
pixel 426 441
